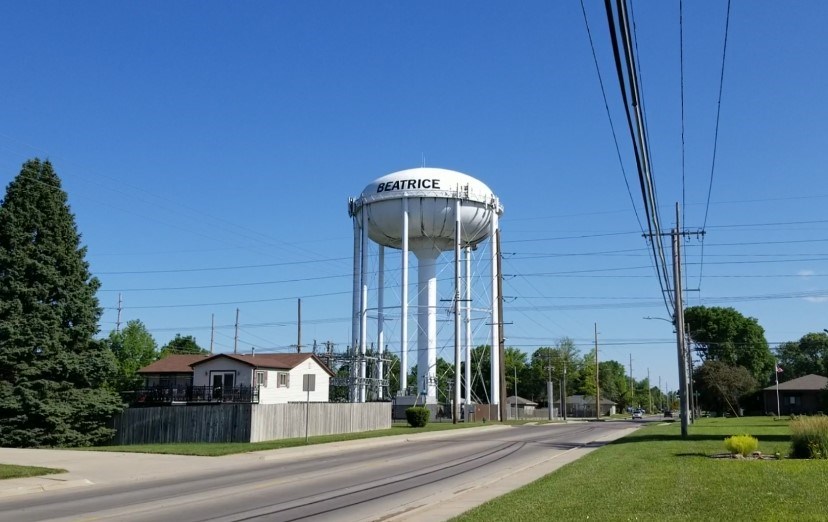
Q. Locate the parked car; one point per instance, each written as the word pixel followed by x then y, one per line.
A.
pixel 637 414
pixel 668 413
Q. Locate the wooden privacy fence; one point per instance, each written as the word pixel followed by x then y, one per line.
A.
pixel 287 421
pixel 246 422
pixel 197 423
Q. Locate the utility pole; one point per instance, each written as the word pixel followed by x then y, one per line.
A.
pixel 212 331
pixel 660 395
pixel 299 325
pixel 597 384
pixel 632 383
pixel 118 320
pixel 236 335
pixel 690 394
pixel 679 319
pixel 649 390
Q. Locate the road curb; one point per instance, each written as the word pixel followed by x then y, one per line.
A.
pixel 40 485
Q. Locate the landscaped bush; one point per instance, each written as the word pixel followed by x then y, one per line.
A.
pixel 744 445
pixel 417 416
pixel 809 437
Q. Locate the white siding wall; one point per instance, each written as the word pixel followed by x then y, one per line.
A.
pixel 270 394
pixel 295 393
pixel 201 372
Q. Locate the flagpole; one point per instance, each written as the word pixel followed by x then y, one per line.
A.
pixel 776 376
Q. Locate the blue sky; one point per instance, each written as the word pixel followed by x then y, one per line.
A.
pixel 215 144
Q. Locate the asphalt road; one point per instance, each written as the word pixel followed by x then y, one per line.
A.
pixel 417 478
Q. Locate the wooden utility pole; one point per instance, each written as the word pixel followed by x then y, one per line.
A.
pixel 299 325
pixel 236 335
pixel 212 331
pixel 118 320
pixel 679 320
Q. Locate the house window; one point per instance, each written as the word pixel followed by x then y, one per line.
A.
pixel 261 378
pixel 223 379
pixel 282 380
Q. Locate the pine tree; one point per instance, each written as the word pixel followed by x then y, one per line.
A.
pixel 53 373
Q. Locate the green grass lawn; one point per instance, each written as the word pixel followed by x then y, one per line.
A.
pixel 655 475
pixel 10 471
pixel 216 449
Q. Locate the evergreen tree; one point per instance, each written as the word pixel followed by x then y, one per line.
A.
pixel 53 373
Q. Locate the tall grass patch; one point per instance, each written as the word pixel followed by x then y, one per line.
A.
pixel 809 437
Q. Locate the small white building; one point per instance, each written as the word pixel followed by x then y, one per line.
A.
pixel 277 376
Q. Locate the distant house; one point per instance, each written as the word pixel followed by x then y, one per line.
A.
pixel 278 377
pixel 800 395
pixel 173 371
pixel 584 406
pixel 259 379
pixel 525 407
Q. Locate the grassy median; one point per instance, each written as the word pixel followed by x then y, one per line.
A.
pixel 11 471
pixel 653 474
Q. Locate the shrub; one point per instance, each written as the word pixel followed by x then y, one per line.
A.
pixel 417 416
pixel 809 437
pixel 742 444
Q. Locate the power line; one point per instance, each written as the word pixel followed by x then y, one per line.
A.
pixel 639 141
pixel 609 117
pixel 218 268
pixel 715 134
pixel 681 82
pixel 718 116
pixel 194 305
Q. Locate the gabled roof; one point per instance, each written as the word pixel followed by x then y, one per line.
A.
pixel 520 400
pixel 810 382
pixel 585 399
pixel 173 364
pixel 274 361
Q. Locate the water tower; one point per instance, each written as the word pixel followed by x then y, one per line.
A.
pixel 425 211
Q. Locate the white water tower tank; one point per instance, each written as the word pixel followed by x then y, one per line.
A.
pixel 415 210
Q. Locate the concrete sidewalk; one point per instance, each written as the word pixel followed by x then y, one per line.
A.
pixel 88 468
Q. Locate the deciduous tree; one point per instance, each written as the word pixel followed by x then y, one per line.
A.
pixel 134 348
pixel 805 356
pixel 725 335
pixel 722 386
pixel 182 345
